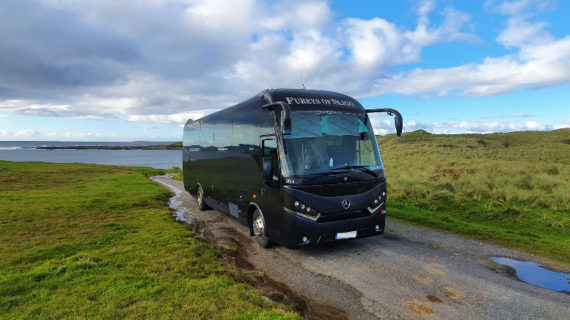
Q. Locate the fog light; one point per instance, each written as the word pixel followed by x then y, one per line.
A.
pixel 377 228
pixel 308 209
pixel 305 239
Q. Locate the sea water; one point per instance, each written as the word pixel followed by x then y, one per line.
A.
pixel 26 151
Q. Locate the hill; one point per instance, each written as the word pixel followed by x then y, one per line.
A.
pixel 509 187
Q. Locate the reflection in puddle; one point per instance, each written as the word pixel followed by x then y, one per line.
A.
pixel 530 272
pixel 180 212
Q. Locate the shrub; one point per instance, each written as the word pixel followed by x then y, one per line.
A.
pixel 552 170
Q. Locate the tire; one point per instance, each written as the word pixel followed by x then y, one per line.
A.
pixel 259 229
pixel 200 199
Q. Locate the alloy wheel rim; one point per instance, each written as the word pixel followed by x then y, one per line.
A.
pixel 259 226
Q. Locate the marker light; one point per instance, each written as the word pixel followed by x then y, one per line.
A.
pixel 376 201
pixel 254 196
pixel 382 211
pixel 308 209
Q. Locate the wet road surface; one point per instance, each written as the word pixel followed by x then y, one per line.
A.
pixel 407 273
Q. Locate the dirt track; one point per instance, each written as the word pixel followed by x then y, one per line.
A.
pixel 408 273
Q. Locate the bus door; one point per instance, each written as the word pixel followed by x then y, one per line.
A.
pixel 270 197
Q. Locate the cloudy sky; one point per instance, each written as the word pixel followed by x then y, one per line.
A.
pixel 136 70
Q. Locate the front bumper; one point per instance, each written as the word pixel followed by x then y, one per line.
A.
pixel 296 228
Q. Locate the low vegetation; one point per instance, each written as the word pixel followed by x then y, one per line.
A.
pixel 172 146
pixel 90 241
pixel 513 188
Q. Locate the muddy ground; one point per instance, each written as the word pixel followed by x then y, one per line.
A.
pixel 407 273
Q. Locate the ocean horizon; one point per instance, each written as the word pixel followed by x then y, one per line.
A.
pixel 26 151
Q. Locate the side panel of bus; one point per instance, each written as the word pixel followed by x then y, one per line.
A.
pixel 222 153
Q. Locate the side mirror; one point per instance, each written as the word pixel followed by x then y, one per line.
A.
pixel 267 169
pixel 398 122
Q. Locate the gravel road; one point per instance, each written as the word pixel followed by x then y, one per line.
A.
pixel 407 273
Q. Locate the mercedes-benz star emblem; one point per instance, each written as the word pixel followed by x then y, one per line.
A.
pixel 345 203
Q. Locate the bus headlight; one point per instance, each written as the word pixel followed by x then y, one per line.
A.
pixel 376 204
pixel 304 211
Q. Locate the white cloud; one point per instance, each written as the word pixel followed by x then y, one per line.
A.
pixel 540 61
pixel 26 133
pixel 520 7
pixel 222 16
pixel 58 135
pixel 164 61
pixel 520 33
pixel 380 43
pixel 200 55
pixel 166 118
pixel 387 126
pixel 296 15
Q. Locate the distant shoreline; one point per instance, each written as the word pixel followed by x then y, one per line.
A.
pixel 173 146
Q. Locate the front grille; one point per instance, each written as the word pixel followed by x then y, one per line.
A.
pixel 344 216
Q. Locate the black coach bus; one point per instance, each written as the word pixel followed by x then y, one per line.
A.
pixel 298 167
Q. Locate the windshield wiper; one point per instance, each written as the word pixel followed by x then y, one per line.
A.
pixel 326 173
pixel 363 168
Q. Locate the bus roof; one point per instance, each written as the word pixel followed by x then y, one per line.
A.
pixel 297 99
pixel 302 98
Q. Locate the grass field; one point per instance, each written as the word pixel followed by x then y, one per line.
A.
pixel 512 188
pixel 99 242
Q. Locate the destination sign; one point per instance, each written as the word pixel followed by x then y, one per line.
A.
pixel 319 101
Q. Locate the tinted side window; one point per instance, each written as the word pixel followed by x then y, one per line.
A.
pixel 266 122
pixel 206 135
pixel 223 134
pixel 270 151
pixel 192 135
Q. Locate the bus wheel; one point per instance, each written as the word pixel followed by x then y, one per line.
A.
pixel 200 199
pixel 259 229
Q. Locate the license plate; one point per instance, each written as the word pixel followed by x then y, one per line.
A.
pixel 345 235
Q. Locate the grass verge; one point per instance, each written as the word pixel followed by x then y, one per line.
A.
pixel 91 241
pixel 511 188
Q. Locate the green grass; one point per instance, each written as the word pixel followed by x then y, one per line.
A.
pixel 89 241
pixel 512 188
pixel 177 173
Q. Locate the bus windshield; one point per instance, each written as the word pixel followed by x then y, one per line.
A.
pixel 325 141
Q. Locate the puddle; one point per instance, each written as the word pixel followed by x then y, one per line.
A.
pixel 180 212
pixel 532 273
